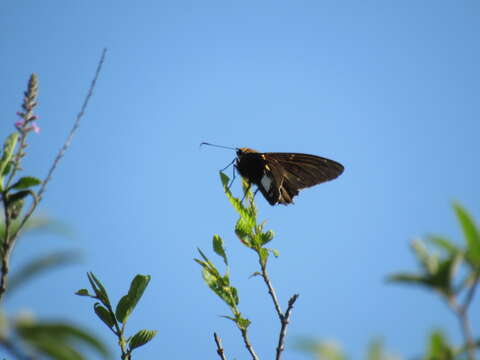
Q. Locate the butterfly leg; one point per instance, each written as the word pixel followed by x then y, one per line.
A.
pixel 246 191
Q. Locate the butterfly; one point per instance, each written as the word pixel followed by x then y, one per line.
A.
pixel 280 176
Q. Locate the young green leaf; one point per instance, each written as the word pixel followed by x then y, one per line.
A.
pixel 104 315
pixel 83 292
pixel 263 253
pixel 141 338
pixel 128 302
pixel 26 182
pixel 217 243
pixel 98 288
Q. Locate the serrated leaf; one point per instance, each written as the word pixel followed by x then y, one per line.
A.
pixel 128 302
pixel 82 292
pixel 217 243
pixel 141 338
pixel 104 315
pixel 471 234
pixel 8 149
pixel 26 182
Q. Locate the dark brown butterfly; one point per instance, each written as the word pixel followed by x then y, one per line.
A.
pixel 279 176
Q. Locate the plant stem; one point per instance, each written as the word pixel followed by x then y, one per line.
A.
pixel 283 330
pixel 248 345
pixel 6 245
pixel 220 351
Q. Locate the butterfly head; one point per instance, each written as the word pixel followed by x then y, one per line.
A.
pixel 242 151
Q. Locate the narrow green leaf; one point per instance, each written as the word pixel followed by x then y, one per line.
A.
pixel 128 302
pixel 141 338
pixel 26 182
pixel 407 278
pixel 104 315
pixel 427 261
pixel 443 243
pixel 471 234
pixel 98 288
pixel 8 149
pixel 19 195
pixel 219 249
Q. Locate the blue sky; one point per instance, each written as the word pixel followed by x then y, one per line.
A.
pixel 389 89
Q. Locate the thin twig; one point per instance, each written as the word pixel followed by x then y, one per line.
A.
pixel 220 351
pixel 248 345
pixel 271 290
pixel 462 316
pixel 283 329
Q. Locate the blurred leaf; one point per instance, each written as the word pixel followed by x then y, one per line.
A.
pixel 141 338
pixel 439 348
pixel 26 182
pixel 471 234
pixel 128 302
pixel 443 243
pixel 323 350
pixel 8 149
pixel 40 265
pixel 19 195
pixel 275 252
pixel 427 261
pixel 59 340
pixel 219 249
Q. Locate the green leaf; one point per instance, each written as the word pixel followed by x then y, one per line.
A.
pixel 83 292
pixel 243 323
pixel 428 262
pixel 266 237
pixel 40 265
pixel 471 234
pixel 8 149
pixel 98 288
pixel 104 315
pixel 439 348
pixel 275 252
pixel 443 243
pixel 128 302
pixel 141 338
pixel 26 182
pixel 219 249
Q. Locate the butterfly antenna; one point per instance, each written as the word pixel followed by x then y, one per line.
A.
pixel 219 146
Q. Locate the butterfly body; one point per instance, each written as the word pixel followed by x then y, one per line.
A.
pixel 280 176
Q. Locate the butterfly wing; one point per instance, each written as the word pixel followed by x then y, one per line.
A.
pixel 290 172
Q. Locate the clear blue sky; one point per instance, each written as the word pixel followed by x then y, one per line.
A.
pixel 390 89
